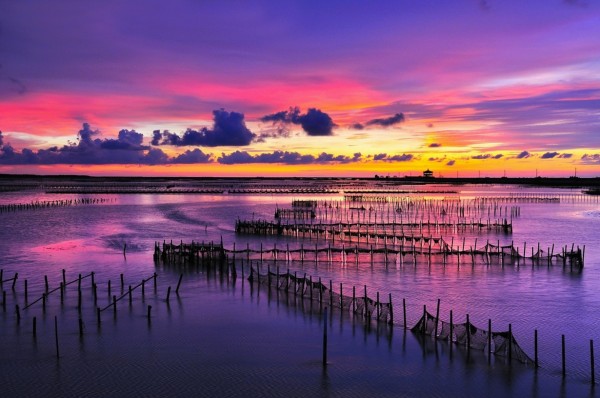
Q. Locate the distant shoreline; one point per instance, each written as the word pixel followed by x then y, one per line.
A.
pixel 570 182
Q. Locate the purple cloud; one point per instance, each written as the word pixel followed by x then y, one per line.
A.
pixel 451 163
pixel 228 129
pixel 523 155
pixel 192 157
pixel 591 159
pixel 314 122
pixel 487 156
pixel 434 145
pixel 549 155
pixel 395 158
pixel 387 121
pixel 127 148
pixel 285 157
pixel 127 140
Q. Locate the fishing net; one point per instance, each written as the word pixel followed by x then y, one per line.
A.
pixel 312 291
pixel 504 344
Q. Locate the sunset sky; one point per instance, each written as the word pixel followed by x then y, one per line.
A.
pixel 314 88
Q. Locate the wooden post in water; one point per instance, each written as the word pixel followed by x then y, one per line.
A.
pixel 80 327
pixel 535 348
pixel 25 291
pixel 115 306
pixel 179 283
pixel 18 313
pixel 367 314
pixel 149 312
pixel 64 277
pixel 98 316
pixel 34 327
pixel 489 340
pixel 592 364
pixel 56 335
pixel 325 337
pixel 14 281
pixel 391 309
pixel 168 294
pixel 404 312
pixel 564 359
pixel 46 282
pixel 510 338
pixel 468 334
pixel 451 329
pixel 437 317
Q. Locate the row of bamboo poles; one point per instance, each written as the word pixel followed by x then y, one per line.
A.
pixel 407 249
pixel 44 204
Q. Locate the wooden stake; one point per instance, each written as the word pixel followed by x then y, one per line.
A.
pixel 564 359
pixel 56 335
pixel 178 284
pixel 535 348
pixel 592 364
pixel 325 337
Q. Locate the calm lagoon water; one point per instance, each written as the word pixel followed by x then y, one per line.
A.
pixel 221 337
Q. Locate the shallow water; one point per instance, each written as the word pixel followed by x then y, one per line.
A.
pixel 221 337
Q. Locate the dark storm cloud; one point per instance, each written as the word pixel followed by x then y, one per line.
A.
pixel 314 122
pixel 387 121
pixel 523 155
pixel 229 129
pixel 285 157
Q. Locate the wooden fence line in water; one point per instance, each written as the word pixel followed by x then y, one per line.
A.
pixel 314 290
pixel 575 256
pixel 263 227
pixel 51 203
pixel 412 210
pixel 200 253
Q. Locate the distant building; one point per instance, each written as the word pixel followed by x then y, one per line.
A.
pixel 428 174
